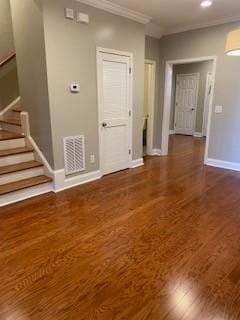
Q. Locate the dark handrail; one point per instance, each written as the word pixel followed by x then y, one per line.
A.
pixel 9 58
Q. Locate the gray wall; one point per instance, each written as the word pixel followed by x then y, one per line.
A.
pixel 6 34
pixel 225 128
pixel 71 56
pixel 202 68
pixel 31 62
pixel 152 52
pixel 8 74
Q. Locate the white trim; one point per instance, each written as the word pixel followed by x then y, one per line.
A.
pixel 117 10
pixel 171 132
pixel 99 80
pixel 198 134
pixel 137 163
pixel 223 164
pixel 197 75
pixel 167 100
pixel 205 116
pixel 25 194
pixel 61 182
pixel 151 102
pixel 156 152
pixel 200 25
pixel 10 106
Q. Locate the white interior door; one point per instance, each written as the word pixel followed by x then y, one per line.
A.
pixel 207 102
pixel 114 111
pixel 186 103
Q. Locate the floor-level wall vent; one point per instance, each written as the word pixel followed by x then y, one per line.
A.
pixel 74 154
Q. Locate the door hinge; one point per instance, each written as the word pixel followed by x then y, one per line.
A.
pixel 130 70
pixel 130 113
pixel 129 151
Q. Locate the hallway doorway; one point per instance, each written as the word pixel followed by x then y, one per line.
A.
pixel 149 101
pixel 171 101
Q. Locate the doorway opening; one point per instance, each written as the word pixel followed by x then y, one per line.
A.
pixel 188 99
pixel 149 101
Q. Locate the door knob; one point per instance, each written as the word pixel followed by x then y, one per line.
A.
pixel 104 125
pixel 193 109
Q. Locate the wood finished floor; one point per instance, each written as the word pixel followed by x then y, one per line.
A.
pixel 157 242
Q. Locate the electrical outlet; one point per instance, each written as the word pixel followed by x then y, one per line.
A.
pixel 92 158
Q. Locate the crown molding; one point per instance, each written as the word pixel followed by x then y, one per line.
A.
pixel 117 10
pixel 201 25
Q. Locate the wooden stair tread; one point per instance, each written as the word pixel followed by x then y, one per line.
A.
pixel 14 122
pixel 7 135
pixel 20 167
pixel 11 152
pixel 16 110
pixel 23 184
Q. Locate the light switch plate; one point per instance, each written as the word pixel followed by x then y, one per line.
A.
pixel 82 18
pixel 218 109
pixel 69 13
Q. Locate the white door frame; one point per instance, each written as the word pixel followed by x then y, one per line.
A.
pixel 100 50
pixel 168 95
pixel 197 74
pixel 151 103
pixel 205 118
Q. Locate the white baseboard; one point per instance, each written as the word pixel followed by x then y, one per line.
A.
pixel 137 163
pixel 223 164
pixel 25 194
pixel 156 152
pixel 198 134
pixel 62 182
pixel 10 106
pixel 171 132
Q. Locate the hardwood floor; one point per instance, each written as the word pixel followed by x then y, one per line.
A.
pixel 158 242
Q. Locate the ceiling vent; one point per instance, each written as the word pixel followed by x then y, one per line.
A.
pixel 74 154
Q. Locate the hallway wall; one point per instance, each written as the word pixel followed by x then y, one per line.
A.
pixel 9 90
pixel 224 134
pixel 71 56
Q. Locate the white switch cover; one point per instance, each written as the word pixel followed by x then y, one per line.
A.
pixel 82 18
pixel 218 109
pixel 69 13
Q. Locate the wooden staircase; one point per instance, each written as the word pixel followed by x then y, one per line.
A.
pixel 21 174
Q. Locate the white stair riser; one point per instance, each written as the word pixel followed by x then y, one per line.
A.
pixel 15 159
pixel 27 193
pixel 21 175
pixel 12 144
pixel 11 127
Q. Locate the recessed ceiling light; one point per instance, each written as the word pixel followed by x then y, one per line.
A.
pixel 206 3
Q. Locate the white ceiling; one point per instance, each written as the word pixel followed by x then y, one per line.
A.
pixel 171 16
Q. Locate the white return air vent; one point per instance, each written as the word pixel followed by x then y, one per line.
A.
pixel 74 154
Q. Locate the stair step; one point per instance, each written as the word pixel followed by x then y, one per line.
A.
pixel 23 184
pixel 20 167
pixel 14 122
pixel 17 110
pixel 7 135
pixel 15 151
